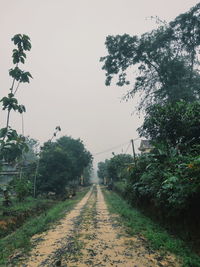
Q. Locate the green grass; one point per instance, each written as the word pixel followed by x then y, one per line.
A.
pixel 15 215
pixel 158 238
pixel 20 239
pixel 28 204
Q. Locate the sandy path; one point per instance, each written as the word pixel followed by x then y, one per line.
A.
pixel 103 243
pixel 53 239
pixel 89 236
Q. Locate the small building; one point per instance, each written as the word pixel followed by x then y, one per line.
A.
pixel 145 146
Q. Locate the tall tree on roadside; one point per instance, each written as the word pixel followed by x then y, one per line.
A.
pixel 12 144
pixel 165 60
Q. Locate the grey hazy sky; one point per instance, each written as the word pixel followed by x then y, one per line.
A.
pixel 68 87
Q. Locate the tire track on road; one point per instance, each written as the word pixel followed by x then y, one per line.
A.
pixel 106 244
pixel 90 236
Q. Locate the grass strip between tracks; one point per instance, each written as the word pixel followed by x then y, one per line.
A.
pixel 158 238
pixel 21 238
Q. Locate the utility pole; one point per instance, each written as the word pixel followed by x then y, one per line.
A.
pixel 134 156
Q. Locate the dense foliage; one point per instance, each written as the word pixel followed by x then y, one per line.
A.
pixel 175 124
pixel 114 169
pixel 62 163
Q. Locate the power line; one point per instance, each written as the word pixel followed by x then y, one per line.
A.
pixel 136 139
pixel 111 148
pixel 127 148
pixel 120 145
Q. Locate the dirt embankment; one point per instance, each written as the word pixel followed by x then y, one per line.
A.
pixel 89 236
pixel 11 219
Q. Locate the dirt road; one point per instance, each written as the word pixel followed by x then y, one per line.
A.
pixel 89 236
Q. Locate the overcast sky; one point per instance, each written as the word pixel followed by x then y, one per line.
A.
pixel 68 88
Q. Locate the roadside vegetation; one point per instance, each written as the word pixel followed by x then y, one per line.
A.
pixel 153 235
pixel 164 183
pixel 14 216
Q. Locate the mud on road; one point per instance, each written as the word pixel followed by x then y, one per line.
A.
pixel 90 236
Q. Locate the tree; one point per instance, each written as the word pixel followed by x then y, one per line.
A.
pixel 61 163
pixel 113 169
pixel 165 60
pixel 87 174
pixel 12 144
pixel 76 150
pixel 173 123
pixel 31 155
pixel 54 170
pixel 186 28
pixel 116 166
pixel 102 171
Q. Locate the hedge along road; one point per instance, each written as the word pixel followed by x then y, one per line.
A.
pixel 89 236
